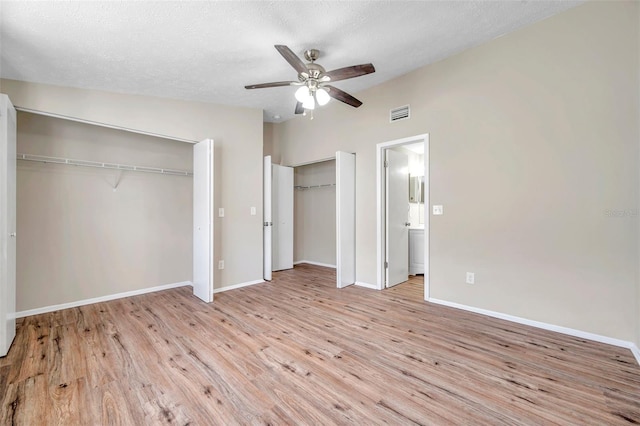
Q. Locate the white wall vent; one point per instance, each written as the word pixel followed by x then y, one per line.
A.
pixel 400 113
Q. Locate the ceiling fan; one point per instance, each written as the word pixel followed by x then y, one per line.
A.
pixel 314 80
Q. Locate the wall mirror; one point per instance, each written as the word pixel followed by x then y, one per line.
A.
pixel 416 189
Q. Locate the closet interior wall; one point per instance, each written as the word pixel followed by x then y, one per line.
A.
pixel 315 213
pixel 89 232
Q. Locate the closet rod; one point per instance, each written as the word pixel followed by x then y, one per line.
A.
pixel 98 164
pixel 315 186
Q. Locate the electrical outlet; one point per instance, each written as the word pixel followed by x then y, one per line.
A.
pixel 221 264
pixel 438 210
pixel 253 211
pixel 471 278
pixel 221 212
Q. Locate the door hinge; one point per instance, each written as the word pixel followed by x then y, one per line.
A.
pixel 386 265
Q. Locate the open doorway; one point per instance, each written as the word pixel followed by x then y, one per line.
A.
pixel 403 211
pixel 322 215
pixel 315 214
pixel 325 215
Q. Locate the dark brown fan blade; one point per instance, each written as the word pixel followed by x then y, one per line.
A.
pixel 299 109
pixel 274 84
pixel 342 96
pixel 349 72
pixel 291 57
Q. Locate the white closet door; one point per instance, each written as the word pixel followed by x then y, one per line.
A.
pixel 282 213
pixel 397 194
pixel 203 220
pixel 345 218
pixel 7 224
pixel 268 219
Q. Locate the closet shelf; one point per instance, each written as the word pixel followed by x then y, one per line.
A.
pixel 314 186
pixel 98 164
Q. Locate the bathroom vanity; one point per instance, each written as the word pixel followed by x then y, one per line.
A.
pixel 416 251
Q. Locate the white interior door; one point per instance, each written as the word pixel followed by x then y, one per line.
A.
pixel 268 219
pixel 345 219
pixel 282 213
pixel 7 224
pixel 397 211
pixel 203 220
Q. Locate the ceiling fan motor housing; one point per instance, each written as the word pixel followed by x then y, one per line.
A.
pixel 311 54
pixel 315 70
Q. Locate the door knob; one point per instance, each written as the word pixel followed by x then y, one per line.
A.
pixel 407 224
pixel 13 234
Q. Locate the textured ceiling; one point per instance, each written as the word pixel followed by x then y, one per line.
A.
pixel 208 51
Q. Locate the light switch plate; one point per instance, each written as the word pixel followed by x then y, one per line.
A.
pixel 253 211
pixel 438 210
pixel 471 278
pixel 221 212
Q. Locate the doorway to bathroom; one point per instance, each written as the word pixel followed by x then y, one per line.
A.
pixel 403 211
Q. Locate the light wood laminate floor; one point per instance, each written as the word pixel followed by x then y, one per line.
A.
pixel 299 351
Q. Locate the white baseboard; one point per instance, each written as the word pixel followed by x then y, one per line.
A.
pixel 106 298
pixel 310 262
pixel 636 352
pixel 366 285
pixel 234 286
pixel 545 326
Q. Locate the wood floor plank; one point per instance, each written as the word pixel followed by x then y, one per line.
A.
pixel 299 351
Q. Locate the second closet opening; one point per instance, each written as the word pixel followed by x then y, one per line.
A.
pixel 315 214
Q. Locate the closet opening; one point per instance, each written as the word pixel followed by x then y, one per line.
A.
pixel 103 212
pixel 314 196
pixel 309 216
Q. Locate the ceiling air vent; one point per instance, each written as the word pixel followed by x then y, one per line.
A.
pixel 400 113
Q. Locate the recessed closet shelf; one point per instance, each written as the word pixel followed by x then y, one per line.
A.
pixel 98 164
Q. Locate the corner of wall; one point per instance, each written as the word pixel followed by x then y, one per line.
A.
pixel 267 138
pixel 274 142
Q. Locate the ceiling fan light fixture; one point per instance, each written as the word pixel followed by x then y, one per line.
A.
pixel 309 103
pixel 322 97
pixel 302 94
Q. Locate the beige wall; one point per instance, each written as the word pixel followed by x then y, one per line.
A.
pixel 533 138
pixel 267 139
pixel 238 137
pixel 80 238
pixel 315 213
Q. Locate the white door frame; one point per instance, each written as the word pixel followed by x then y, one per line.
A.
pixel 381 206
